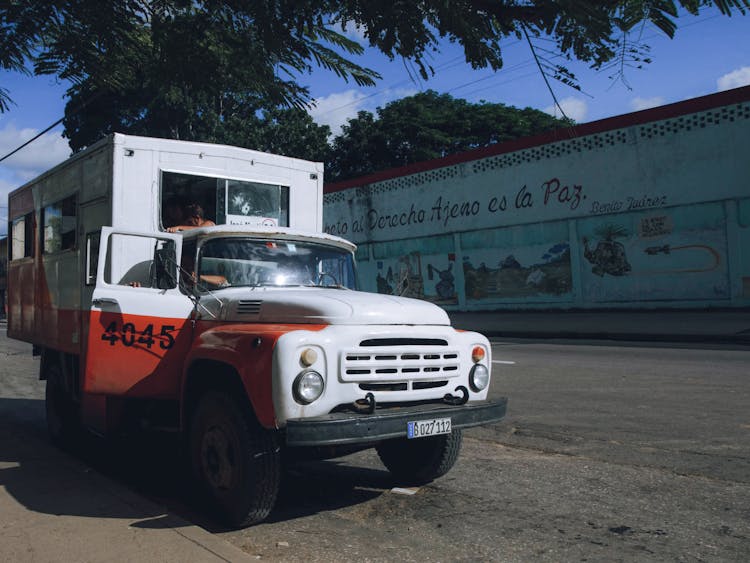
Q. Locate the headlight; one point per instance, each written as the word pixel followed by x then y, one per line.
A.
pixel 308 387
pixel 479 377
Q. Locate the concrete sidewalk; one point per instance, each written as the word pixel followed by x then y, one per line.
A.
pixel 709 325
pixel 54 508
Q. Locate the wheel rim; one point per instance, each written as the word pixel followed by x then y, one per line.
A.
pixel 218 457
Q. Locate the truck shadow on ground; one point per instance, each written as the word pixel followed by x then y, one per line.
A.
pixel 46 480
pixel 78 480
pixel 155 466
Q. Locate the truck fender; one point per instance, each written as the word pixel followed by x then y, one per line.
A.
pixel 248 356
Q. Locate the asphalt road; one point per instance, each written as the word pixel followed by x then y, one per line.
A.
pixel 609 453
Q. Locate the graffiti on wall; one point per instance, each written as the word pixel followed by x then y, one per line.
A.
pixel 680 255
pixel 444 212
pixel 609 256
pixel 404 276
pixel 523 273
pixel 631 204
pixel 530 202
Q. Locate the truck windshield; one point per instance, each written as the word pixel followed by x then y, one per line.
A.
pixel 251 262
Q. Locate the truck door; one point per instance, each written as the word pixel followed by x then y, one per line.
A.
pixel 139 322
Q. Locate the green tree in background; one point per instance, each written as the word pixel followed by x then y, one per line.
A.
pixel 286 131
pixel 425 126
pixel 187 68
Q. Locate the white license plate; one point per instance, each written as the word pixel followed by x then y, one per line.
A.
pixel 424 428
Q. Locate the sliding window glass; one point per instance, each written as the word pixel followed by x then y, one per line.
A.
pixel 22 233
pixel 59 225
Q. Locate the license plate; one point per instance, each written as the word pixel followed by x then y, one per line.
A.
pixel 424 428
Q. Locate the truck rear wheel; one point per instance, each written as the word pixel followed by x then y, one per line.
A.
pixel 421 460
pixel 63 420
pixel 235 461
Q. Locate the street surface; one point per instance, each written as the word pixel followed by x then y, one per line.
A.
pixel 626 452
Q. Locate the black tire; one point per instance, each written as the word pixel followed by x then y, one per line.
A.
pixel 62 412
pixel 421 460
pixel 235 461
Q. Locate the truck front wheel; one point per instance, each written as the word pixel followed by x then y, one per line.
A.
pixel 421 460
pixel 235 461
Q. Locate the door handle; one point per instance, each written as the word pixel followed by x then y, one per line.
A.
pixel 99 301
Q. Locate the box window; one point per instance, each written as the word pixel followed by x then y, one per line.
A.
pixel 22 233
pixel 231 202
pixel 59 223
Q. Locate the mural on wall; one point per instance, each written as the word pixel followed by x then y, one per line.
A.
pixel 609 256
pixel 524 272
pixel 403 276
pixel 445 287
pixel 627 205
pixel 669 256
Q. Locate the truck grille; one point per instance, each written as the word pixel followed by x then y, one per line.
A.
pixel 400 364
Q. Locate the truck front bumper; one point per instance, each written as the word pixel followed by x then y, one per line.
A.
pixel 349 428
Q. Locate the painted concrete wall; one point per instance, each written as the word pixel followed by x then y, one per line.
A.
pixel 650 209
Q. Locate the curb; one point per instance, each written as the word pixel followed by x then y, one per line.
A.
pixel 737 339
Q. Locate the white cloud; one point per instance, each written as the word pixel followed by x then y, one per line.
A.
pixel 5 189
pixel 42 154
pixel 336 109
pixel 734 79
pixel 352 31
pixel 638 103
pixel 575 108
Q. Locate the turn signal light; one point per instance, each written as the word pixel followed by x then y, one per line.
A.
pixel 477 354
pixel 308 357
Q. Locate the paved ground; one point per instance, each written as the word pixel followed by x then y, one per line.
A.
pixel 56 507
pixel 700 325
pixel 610 452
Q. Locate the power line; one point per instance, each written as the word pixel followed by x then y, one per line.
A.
pixel 445 66
pixel 71 113
pixel 384 90
pixel 468 95
pixel 14 151
pixel 515 67
pixel 529 62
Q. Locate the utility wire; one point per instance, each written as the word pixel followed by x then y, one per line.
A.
pixel 34 138
pixel 445 66
pixel 74 111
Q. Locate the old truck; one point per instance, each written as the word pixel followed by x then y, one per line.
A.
pixel 243 331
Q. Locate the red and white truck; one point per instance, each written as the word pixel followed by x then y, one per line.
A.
pixel 247 336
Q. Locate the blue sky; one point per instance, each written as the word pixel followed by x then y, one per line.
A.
pixel 709 53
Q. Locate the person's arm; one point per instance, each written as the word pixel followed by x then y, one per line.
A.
pixel 178 228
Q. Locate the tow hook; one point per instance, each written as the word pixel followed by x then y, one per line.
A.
pixel 453 400
pixel 366 405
